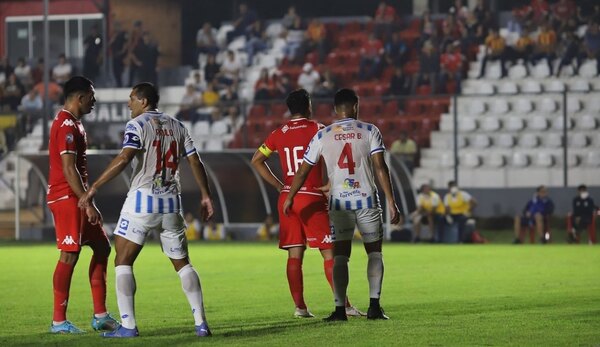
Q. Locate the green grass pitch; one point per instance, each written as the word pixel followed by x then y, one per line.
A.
pixel 463 295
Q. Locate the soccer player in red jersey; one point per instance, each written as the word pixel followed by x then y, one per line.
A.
pixel 75 227
pixel 309 220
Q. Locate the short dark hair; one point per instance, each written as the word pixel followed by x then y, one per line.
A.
pixel 345 96
pixel 582 188
pixel 298 102
pixel 539 188
pixel 75 85
pixel 451 183
pixel 147 90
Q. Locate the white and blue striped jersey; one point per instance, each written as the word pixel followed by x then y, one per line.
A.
pixel 347 146
pixel 162 142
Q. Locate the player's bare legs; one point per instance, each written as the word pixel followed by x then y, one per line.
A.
pixel 190 283
pixel 61 283
pixel 375 276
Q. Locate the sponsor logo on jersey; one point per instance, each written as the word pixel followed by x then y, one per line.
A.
pixel 327 239
pixel 69 138
pixel 355 192
pixel 351 183
pixel 130 127
pixel 137 231
pixel 284 129
pixel 68 123
pixel 68 240
pixel 176 249
pixel 123 224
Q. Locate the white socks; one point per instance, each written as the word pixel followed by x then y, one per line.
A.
pixel 340 279
pixel 190 282
pixel 125 295
pixel 375 274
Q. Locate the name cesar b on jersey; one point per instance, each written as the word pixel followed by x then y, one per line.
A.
pixel 348 136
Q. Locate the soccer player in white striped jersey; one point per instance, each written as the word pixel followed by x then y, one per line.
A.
pixel 352 150
pixel 155 142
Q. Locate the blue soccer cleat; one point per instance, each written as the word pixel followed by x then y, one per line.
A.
pixel 65 328
pixel 202 330
pixel 121 332
pixel 105 323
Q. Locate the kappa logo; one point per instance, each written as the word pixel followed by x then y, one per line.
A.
pixel 68 240
pixel 67 122
pixel 327 239
pixel 285 129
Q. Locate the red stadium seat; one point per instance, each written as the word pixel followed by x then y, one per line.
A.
pixel 367 109
pixel 423 90
pixel 312 58
pixel 451 87
pixel 391 108
pixel 413 107
pixel 278 110
pixel 333 59
pixel 323 111
pixel 352 27
pixel 257 111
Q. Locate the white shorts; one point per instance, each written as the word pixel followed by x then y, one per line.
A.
pixel 171 226
pixel 369 222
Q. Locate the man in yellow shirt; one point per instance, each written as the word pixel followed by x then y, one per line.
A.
pixel 545 47
pixel 523 49
pixel 495 49
pixel 430 210
pixel 406 149
pixel 459 205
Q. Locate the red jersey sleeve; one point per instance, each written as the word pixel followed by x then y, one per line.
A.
pixel 270 144
pixel 65 138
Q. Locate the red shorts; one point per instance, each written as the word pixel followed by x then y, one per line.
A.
pixel 308 222
pixel 72 227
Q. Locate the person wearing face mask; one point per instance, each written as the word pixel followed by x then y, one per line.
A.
pixel 535 217
pixel 459 205
pixel 582 217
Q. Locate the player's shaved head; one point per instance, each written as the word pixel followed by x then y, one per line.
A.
pixel 345 102
pixel 148 91
pixel 76 85
pixel 298 102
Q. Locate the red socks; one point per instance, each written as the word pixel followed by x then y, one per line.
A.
pixel 61 283
pixel 98 283
pixel 294 275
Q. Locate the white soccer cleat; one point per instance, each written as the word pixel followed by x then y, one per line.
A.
pixel 303 313
pixel 352 311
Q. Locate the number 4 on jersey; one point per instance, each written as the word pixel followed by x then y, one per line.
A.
pixel 345 161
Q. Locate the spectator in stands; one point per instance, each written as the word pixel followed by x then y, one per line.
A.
pixel 396 51
pixel 148 57
pixel 190 101
pixel 309 78
pixel 268 230
pixel 406 149
pixel 210 97
pixel 212 69
pixel 23 72
pixel 246 17
pixel 327 85
pixel 92 55
pixel 54 91
pixel 430 211
pixel 193 227
pixel 230 69
pixel 263 88
pixel 429 67
pixel 206 40
pixel 371 54
pixel 118 50
pixel 12 93
pixel 294 40
pixel 213 231
pixel 384 20
pixel 282 86
pixel 233 118
pixel 495 49
pixel 290 17
pixel 400 83
pixel 451 65
pixel 562 11
pixel 459 205
pixel 535 215
pixel 5 69
pixel 572 51
pixel 480 10
pixel 229 96
pixel 522 50
pixel 62 71
pixel 3 144
pixel 197 81
pixel 546 46
pixel 133 50
pixel 428 26
pixel 256 40
pixel 591 44
pixel 584 209
pixel 316 39
pixel 31 102
pixel 459 11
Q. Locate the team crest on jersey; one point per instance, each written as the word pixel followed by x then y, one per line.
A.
pixel 351 183
pixel 69 138
pixel 284 129
pixel 68 123
pixel 130 127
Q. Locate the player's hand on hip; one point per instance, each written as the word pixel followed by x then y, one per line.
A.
pixel 206 206
pixel 395 214
pixel 287 206
pixel 325 189
pixel 94 216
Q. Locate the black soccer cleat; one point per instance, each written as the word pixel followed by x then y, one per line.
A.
pixel 336 317
pixel 376 313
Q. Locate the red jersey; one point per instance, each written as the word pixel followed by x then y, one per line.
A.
pixel 291 141
pixel 67 135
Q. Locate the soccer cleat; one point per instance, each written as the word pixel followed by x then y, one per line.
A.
pixel 202 330
pixel 121 332
pixel 336 317
pixel 105 323
pixel 303 313
pixel 65 328
pixel 517 241
pixel 376 313
pixel 352 311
